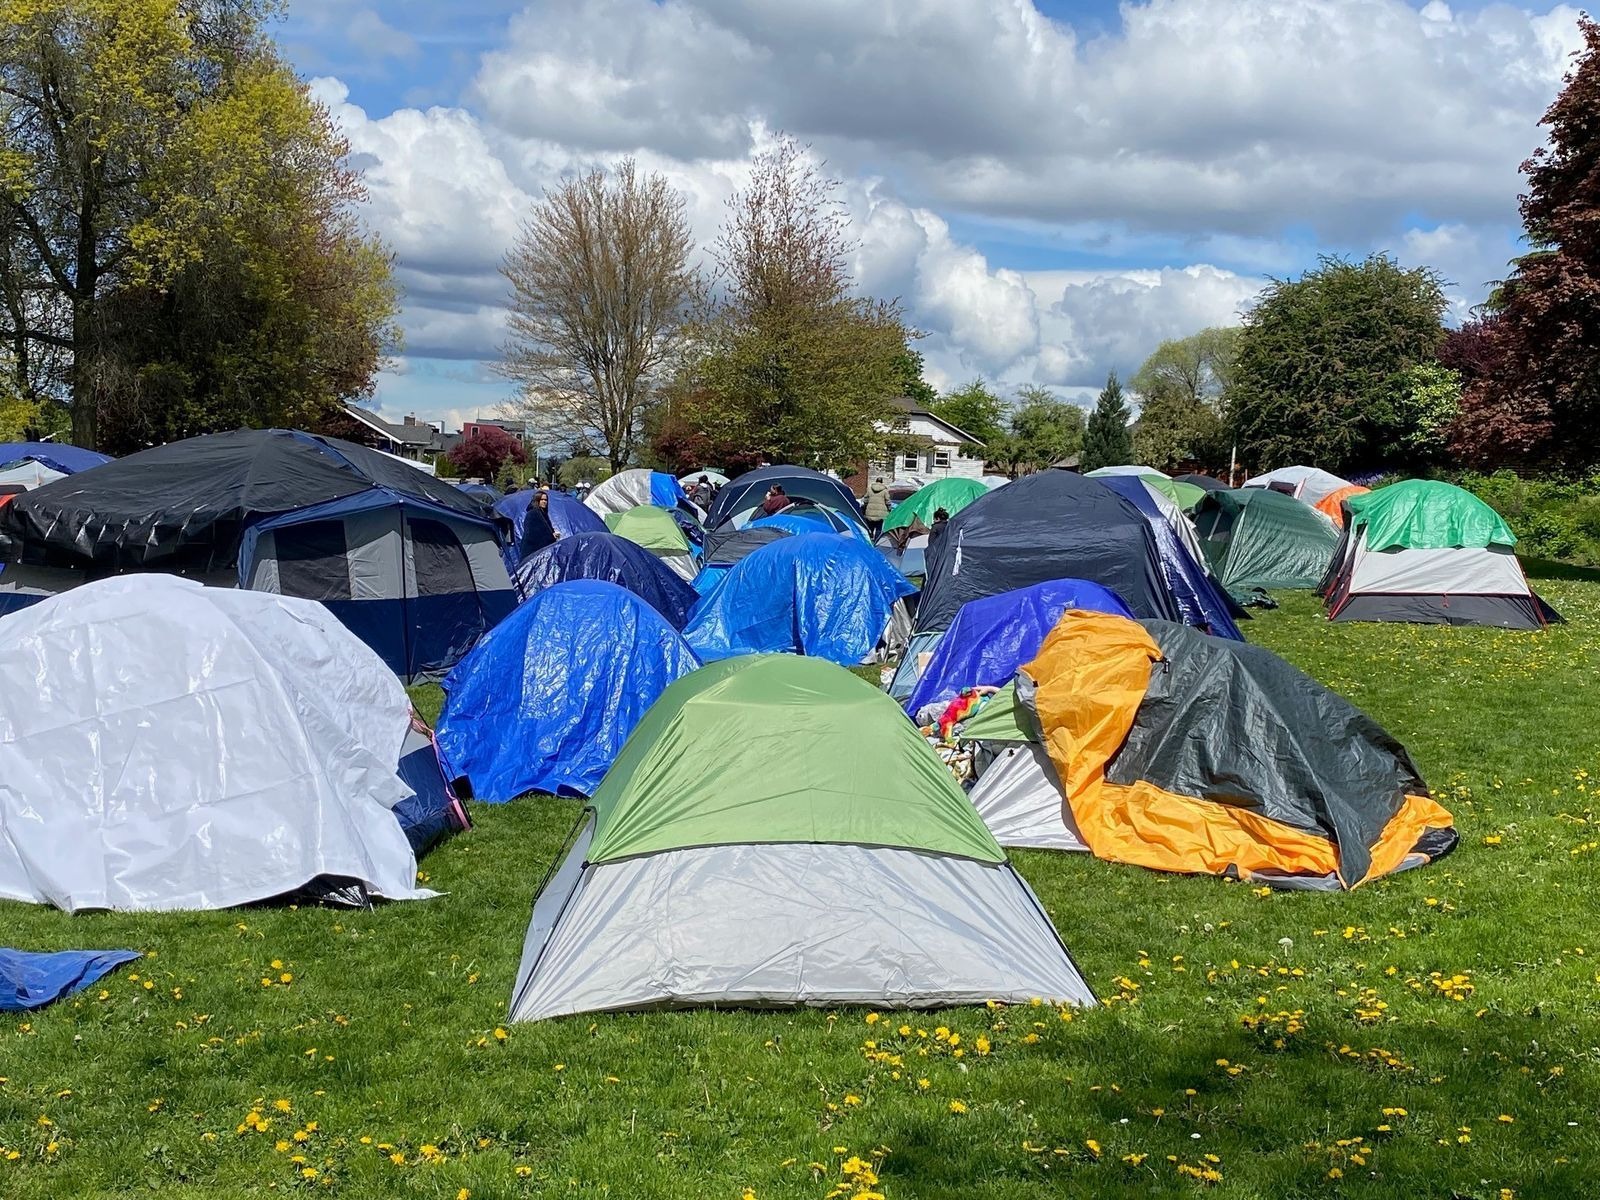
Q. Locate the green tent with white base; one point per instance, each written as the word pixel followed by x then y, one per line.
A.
pixel 775 833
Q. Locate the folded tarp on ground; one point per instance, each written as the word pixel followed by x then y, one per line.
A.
pixel 33 979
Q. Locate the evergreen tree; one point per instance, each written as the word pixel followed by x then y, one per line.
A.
pixel 1107 441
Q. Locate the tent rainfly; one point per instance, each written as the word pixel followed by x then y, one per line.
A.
pixel 1259 538
pixel 776 834
pixel 740 501
pixel 1305 484
pixel 615 560
pixel 655 530
pixel 631 488
pixel 950 494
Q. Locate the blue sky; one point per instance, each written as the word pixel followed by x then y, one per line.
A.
pixel 1050 189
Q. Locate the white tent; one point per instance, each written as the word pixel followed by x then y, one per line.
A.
pixel 1308 484
pixel 29 473
pixel 169 746
pixel 624 490
pixel 1125 469
pixel 715 478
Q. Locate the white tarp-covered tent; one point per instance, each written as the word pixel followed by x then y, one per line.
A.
pixel 165 745
pixel 1307 484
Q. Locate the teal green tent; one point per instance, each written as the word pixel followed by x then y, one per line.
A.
pixel 952 495
pixel 1258 538
pixel 654 529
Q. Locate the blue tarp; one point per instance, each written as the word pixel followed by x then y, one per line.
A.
pixel 545 701
pixel 819 594
pixel 666 491
pixel 32 980
pixel 1200 601
pixel 810 518
pixel 613 559
pixel 992 637
pixel 58 456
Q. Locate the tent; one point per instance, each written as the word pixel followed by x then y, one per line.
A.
pixel 1305 484
pixel 169 746
pixel 657 532
pixel 1183 565
pixel 1206 483
pixel 1259 538
pixel 613 559
pixel 952 495
pixel 776 834
pixel 545 702
pixel 713 477
pixel 740 500
pixel 806 517
pixel 1432 553
pixel 1186 753
pixel 1015 789
pixel 486 492
pixel 729 546
pixel 630 489
pixel 566 516
pixel 409 564
pixel 1127 469
pixel 993 636
pixel 1186 496
pixel 911 559
pixel 58 458
pixel 816 594
pixel 1054 524
pixel 1332 505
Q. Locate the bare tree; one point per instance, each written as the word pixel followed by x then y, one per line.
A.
pixel 600 282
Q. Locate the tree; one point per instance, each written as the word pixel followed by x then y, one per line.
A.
pixel 908 368
pixel 1429 404
pixel 973 408
pixel 1542 400
pixel 1197 368
pixel 1106 440
pixel 1183 389
pixel 176 220
pixel 583 468
pixel 1322 368
pixel 1042 432
pixel 789 364
pixel 485 451
pixel 600 281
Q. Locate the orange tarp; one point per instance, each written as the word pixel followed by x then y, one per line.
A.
pixel 1330 505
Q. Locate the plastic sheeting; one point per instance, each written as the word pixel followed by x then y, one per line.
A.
pixel 32 980
pixel 992 637
pixel 1051 525
pixel 546 701
pixel 1020 800
pixel 631 488
pixel 613 559
pixel 817 594
pixel 788 925
pixel 58 456
pixel 1307 484
pixel 810 518
pixel 1426 514
pixel 169 746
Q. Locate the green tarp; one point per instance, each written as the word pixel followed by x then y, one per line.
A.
pixel 1002 719
pixel 952 495
pixel 778 748
pixel 1258 538
pixel 1424 514
pixel 650 527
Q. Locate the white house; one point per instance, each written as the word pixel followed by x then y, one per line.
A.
pixel 946 457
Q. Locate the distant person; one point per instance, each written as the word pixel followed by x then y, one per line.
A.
pixel 541 501
pixel 702 493
pixel 875 505
pixel 941 518
pixel 512 487
pixel 776 500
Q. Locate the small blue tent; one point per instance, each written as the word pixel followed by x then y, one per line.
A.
pixel 817 594
pixel 992 637
pixel 1200 601
pixel 613 559
pixel 811 518
pixel 545 702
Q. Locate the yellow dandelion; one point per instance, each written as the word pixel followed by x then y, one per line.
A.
pixel 958 1107
pixel 524 1171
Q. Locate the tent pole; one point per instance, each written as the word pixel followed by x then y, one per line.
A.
pixel 1233 463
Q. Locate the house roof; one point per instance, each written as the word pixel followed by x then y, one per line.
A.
pixel 912 409
pixel 404 435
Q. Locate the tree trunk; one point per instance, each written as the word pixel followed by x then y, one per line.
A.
pixel 85 399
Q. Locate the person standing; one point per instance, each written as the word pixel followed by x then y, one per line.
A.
pixel 875 505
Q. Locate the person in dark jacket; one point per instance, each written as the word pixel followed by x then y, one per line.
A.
pixel 941 518
pixel 776 501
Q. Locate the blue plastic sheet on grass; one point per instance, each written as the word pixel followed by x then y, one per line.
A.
pixel 31 980
pixel 546 700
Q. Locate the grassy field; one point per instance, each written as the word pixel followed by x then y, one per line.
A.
pixel 1433 1035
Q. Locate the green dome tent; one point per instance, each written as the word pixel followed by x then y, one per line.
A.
pixel 1258 538
pixel 654 529
pixel 952 495
pixel 776 833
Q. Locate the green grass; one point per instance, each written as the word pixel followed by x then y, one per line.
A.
pixel 387 1028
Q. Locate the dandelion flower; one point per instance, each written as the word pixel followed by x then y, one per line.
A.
pixel 282 1105
pixel 958 1107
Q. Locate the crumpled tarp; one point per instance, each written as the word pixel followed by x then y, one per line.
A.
pixel 615 560
pixel 811 518
pixel 31 980
pixel 1426 514
pixel 169 746
pixel 818 594
pixel 546 700
pixel 992 637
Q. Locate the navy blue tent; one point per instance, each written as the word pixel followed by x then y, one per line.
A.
pixel 993 636
pixel 818 594
pixel 615 560
pixel 737 500
pixel 1202 603
pixel 32 980
pixel 433 810
pixel 1055 524
pixel 730 546
pixel 545 702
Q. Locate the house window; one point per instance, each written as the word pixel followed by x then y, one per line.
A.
pixel 910 462
pixel 941 459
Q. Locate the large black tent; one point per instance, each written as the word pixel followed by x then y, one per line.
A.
pixel 1055 524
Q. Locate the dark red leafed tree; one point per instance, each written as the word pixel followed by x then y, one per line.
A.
pixel 485 452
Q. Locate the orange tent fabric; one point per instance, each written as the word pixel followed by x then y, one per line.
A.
pixel 1330 505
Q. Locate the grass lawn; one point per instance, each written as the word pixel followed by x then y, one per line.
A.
pixel 1433 1035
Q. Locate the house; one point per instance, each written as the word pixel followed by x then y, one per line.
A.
pixel 411 438
pixel 946 453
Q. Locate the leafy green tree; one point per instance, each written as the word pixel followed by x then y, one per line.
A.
pixel 1042 432
pixel 1322 371
pixel 975 409
pixel 179 247
pixel 788 363
pixel 583 468
pixel 1430 401
pixel 1183 395
pixel 909 367
pixel 1106 439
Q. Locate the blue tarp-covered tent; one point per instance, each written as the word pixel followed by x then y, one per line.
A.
pixel 992 637
pixel 58 456
pixel 728 547
pixel 1201 603
pixel 567 516
pixel 818 594
pixel 614 559
pixel 812 518
pixel 546 701
pixel 32 980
